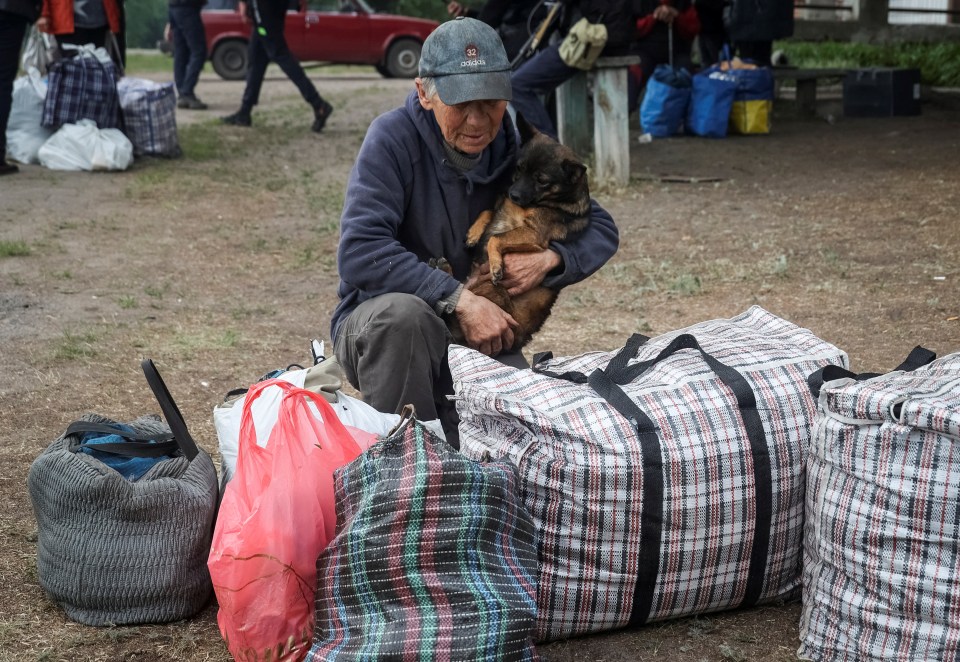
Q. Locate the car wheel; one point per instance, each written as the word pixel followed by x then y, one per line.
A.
pixel 230 59
pixel 403 58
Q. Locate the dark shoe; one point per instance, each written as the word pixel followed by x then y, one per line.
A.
pixel 239 118
pixel 191 102
pixel 320 116
pixel 8 168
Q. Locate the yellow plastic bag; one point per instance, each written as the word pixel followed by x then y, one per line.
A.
pixel 750 116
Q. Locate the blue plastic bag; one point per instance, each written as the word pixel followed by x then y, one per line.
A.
pixel 711 100
pixel 665 101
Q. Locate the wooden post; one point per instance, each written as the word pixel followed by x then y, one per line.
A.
pixel 573 128
pixel 611 122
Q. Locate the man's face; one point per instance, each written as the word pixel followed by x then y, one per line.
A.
pixel 469 126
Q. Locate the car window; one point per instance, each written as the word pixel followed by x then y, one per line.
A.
pixel 323 5
pixel 338 6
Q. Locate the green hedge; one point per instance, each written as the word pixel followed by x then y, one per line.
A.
pixel 939 63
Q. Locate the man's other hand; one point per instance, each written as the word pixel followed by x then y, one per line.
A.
pixel 665 13
pixel 524 271
pixel 486 326
pixel 454 8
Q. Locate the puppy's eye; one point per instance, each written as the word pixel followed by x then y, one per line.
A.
pixel 542 180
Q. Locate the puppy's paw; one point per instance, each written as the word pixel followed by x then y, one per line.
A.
pixel 441 264
pixel 496 275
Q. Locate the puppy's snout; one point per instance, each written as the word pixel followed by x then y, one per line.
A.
pixel 519 196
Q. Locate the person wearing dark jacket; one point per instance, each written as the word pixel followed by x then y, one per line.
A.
pixel 15 17
pixel 424 173
pixel 546 70
pixel 189 49
pixel 267 44
pixel 753 25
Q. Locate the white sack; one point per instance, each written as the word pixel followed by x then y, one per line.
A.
pixel 82 146
pixel 25 135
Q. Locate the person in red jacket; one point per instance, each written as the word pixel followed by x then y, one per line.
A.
pixel 81 21
pixel 652 41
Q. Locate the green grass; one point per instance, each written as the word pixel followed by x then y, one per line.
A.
pixel 939 63
pixel 14 249
pixel 75 346
pixel 150 63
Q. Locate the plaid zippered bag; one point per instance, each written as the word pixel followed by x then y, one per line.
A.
pixel 666 478
pixel 434 558
pixel 82 87
pixel 881 565
pixel 149 116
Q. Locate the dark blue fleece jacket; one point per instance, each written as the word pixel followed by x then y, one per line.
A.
pixel 406 204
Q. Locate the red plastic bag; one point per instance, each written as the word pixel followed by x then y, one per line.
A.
pixel 276 516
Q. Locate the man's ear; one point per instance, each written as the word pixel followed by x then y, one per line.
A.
pixel 527 130
pixel 425 102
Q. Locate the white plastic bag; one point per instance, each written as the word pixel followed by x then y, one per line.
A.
pixel 82 146
pixel 40 51
pixel 353 413
pixel 25 135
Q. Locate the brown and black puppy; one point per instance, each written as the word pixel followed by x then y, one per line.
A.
pixel 549 200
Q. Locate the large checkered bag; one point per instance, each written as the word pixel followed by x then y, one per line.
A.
pixel 434 558
pixel 666 478
pixel 881 569
pixel 82 87
pixel 149 116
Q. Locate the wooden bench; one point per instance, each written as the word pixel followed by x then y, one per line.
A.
pixel 608 138
pixel 806 81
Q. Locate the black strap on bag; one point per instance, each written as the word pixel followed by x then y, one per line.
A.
pixel 606 382
pixel 170 410
pixel 918 357
pixel 145 444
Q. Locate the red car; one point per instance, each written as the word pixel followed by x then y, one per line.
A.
pixel 334 31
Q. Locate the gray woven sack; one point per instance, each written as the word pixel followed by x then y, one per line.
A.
pixel 114 551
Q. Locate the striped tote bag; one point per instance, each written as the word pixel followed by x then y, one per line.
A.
pixel 665 478
pixel 434 558
pixel 881 567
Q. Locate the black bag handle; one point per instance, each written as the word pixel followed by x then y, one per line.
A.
pixel 629 351
pixel 138 446
pixel 170 410
pixel 917 358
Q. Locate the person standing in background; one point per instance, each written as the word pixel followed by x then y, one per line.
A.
pixel 267 44
pixel 81 22
pixel 189 50
pixel 713 33
pixel 753 25
pixel 15 17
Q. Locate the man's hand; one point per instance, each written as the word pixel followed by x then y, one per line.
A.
pixel 665 13
pixel 486 326
pixel 242 10
pixel 454 8
pixel 43 24
pixel 524 271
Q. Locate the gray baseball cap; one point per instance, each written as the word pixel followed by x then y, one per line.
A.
pixel 467 61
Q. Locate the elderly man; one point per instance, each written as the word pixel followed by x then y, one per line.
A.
pixel 425 171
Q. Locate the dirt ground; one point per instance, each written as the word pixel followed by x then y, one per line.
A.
pixel 221 266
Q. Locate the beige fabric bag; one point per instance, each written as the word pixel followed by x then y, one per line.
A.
pixel 583 44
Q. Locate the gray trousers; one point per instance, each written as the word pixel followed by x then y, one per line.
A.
pixel 393 349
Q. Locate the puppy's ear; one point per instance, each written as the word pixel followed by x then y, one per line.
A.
pixel 575 170
pixel 527 130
